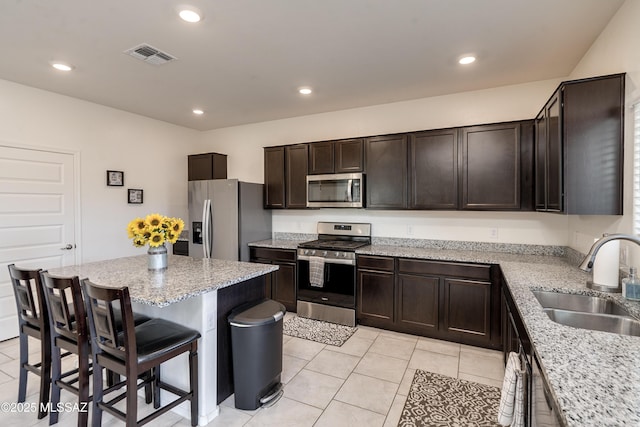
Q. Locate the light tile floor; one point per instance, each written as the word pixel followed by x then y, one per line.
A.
pixel 364 382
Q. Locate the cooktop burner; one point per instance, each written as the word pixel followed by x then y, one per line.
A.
pixel 336 245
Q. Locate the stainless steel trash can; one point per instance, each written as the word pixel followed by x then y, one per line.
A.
pixel 256 347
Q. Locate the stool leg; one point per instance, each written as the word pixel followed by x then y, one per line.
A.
pixel 148 387
pixel 96 417
pixel 193 382
pixel 83 383
pixel 132 400
pixel 45 374
pixel 24 359
pixel 55 388
pixel 156 387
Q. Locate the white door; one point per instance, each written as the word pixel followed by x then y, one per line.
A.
pixel 37 201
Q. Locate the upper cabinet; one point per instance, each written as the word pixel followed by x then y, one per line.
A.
pixel 207 166
pixel 386 169
pixel 496 166
pixel 274 182
pixel 296 175
pixel 344 156
pixel 579 148
pixel 433 170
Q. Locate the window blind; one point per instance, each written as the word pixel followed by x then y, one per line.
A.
pixel 636 168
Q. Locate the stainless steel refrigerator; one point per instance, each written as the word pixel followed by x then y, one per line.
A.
pixel 225 215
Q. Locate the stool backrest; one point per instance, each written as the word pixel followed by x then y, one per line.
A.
pixel 100 303
pixel 29 294
pixel 68 318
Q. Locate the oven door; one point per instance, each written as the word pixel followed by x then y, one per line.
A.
pixel 335 191
pixel 339 285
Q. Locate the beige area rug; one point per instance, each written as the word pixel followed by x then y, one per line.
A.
pixel 439 401
pixel 317 330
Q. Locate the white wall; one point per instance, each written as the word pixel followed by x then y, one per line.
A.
pixel 244 145
pixel 616 50
pixel 151 153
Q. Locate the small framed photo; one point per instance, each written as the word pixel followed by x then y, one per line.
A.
pixel 135 196
pixel 115 178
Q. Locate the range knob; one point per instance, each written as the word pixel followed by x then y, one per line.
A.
pixel 306 252
pixel 324 253
pixel 313 252
pixel 337 255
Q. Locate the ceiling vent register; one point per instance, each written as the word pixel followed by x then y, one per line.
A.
pixel 150 54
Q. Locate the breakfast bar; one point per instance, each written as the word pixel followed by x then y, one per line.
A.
pixel 197 293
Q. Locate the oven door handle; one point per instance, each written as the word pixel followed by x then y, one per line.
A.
pixel 330 260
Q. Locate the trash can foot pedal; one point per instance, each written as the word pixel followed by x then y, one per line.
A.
pixel 271 398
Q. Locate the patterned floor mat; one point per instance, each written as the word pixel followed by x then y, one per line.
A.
pixel 437 401
pixel 318 331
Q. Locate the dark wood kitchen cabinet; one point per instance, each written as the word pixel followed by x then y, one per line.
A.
pixel 296 175
pixel 375 291
pixel 280 285
pixel 274 182
pixel 387 172
pixel 207 166
pixel 579 148
pixel 490 169
pixel 433 169
pixel 342 156
pixel 448 300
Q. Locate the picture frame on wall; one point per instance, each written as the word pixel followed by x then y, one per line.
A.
pixel 115 178
pixel 135 196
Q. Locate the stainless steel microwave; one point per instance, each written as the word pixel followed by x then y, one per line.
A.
pixel 344 190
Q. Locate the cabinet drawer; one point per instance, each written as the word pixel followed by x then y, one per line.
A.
pixel 472 271
pixel 273 254
pixel 375 263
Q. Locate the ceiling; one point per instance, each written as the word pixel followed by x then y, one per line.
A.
pixel 244 62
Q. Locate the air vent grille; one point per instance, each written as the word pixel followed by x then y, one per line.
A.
pixel 149 54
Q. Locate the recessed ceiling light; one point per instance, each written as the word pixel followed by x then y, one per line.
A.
pixel 198 112
pixel 61 66
pixel 465 60
pixel 190 15
pixel 305 90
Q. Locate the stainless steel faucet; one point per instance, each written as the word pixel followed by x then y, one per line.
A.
pixel 587 263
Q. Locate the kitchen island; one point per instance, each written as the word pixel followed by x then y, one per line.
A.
pixel 198 293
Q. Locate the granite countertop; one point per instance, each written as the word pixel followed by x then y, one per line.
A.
pixel 278 243
pixel 594 376
pixel 184 278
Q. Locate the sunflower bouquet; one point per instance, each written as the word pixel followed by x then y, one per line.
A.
pixel 155 230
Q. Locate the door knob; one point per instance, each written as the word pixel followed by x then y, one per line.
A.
pixel 67 248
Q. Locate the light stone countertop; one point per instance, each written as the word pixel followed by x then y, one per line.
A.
pixel 184 278
pixel 594 376
pixel 278 243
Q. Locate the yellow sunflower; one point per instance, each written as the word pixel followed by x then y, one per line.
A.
pixel 135 227
pixel 154 220
pixel 139 241
pixel 156 239
pixel 177 225
pixel 172 238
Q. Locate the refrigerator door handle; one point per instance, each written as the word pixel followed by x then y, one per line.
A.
pixel 209 229
pixel 205 228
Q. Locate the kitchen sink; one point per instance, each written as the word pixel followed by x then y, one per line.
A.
pixel 595 321
pixel 588 312
pixel 582 303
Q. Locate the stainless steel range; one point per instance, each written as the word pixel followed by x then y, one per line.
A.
pixel 327 272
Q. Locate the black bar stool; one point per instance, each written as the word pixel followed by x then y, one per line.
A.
pixel 132 350
pixel 33 321
pixel 70 332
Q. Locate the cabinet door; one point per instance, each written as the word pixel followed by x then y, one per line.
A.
pixel 207 166
pixel 554 155
pixel 375 298
pixel 321 158
pixel 417 303
pixel 433 170
pixel 296 175
pixel 467 309
pixel 283 285
pixel 541 161
pixel 490 169
pixel 386 168
pixel 274 182
pixel 349 156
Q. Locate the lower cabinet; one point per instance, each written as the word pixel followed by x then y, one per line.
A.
pixel 281 284
pixel 445 300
